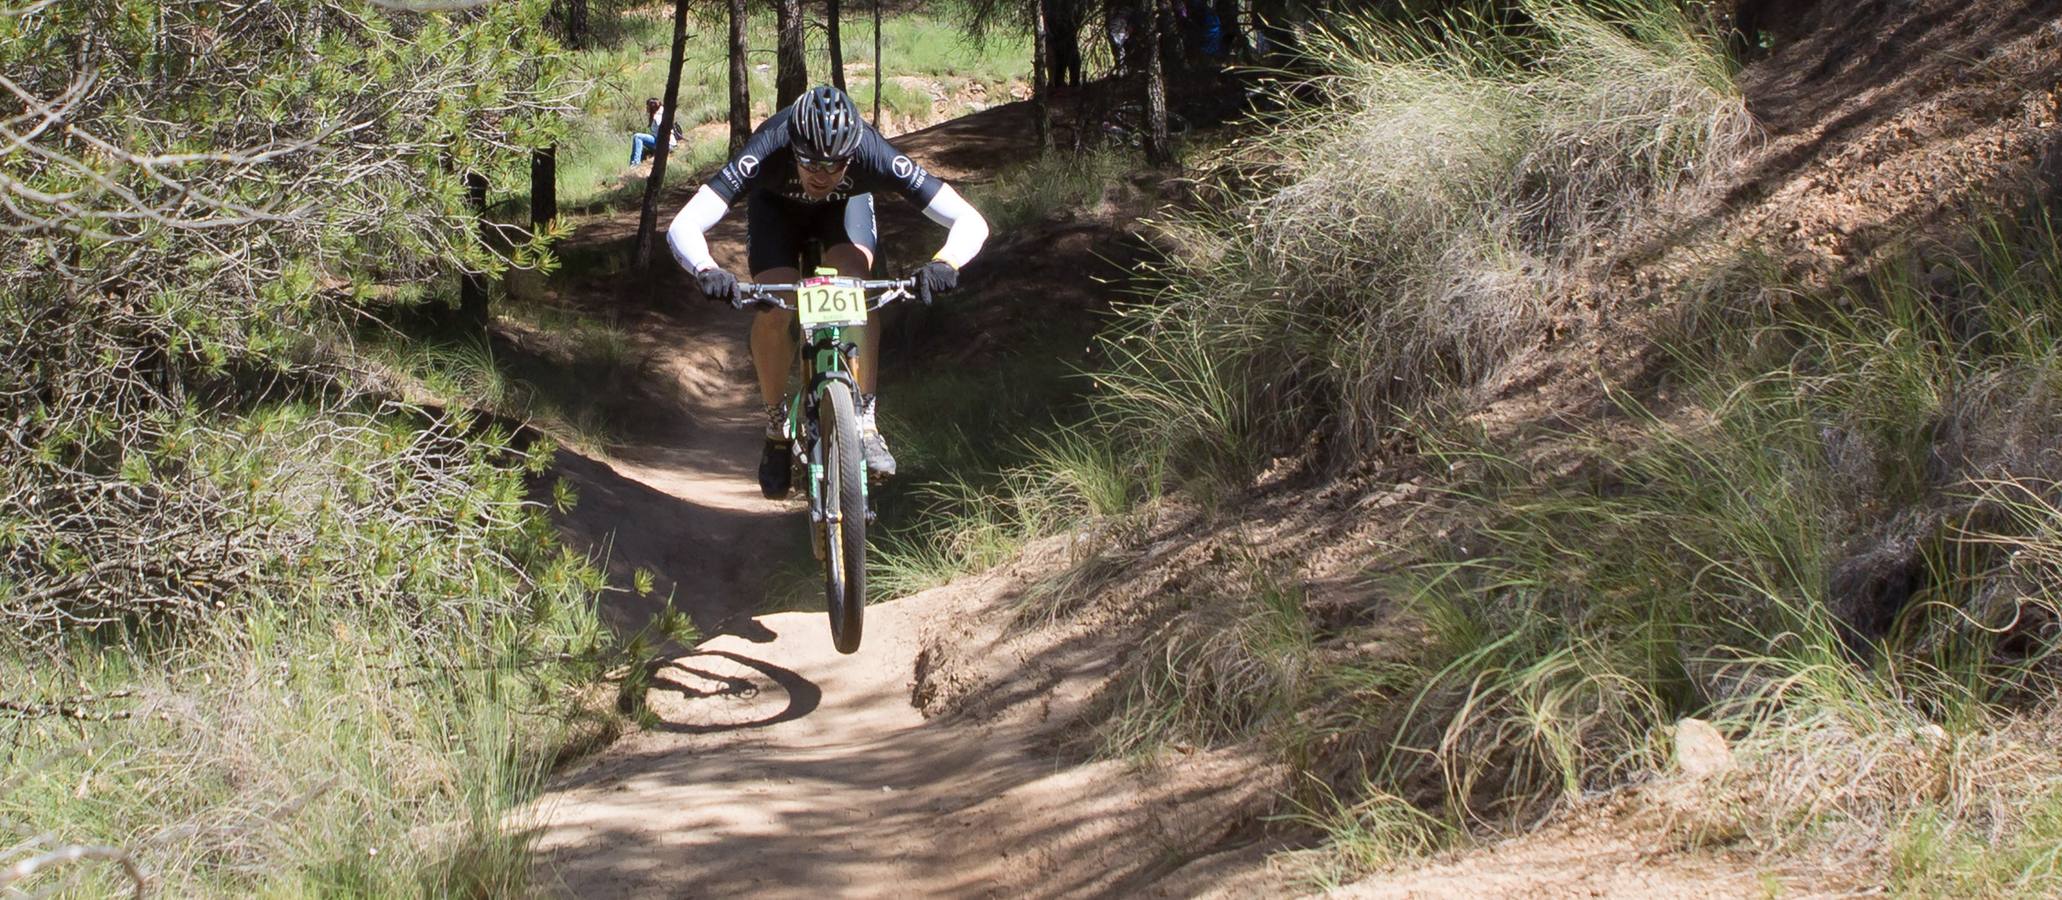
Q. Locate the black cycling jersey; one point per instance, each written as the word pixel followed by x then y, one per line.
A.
pixel 768 164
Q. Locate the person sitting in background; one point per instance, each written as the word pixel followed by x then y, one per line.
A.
pixel 648 140
pixel 1123 26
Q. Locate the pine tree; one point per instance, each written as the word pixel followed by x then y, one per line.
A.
pixel 740 80
pixel 792 76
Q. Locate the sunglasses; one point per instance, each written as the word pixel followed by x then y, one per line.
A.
pixel 821 166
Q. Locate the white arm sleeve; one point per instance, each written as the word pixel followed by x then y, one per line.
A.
pixel 967 229
pixel 684 236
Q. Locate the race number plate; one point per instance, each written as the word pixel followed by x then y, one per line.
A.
pixel 831 301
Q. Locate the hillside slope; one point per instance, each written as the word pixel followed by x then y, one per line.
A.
pixel 1884 127
pixel 966 749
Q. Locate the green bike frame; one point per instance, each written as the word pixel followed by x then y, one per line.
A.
pixel 823 423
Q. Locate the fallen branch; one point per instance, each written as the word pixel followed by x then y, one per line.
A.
pixel 72 854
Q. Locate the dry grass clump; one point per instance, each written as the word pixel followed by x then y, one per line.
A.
pixel 1850 778
pixel 1071 182
pixel 286 760
pixel 1396 235
pixel 356 715
pixel 1405 228
pixel 1847 554
pixel 1239 661
pixel 1073 477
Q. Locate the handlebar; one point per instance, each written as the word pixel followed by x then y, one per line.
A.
pixel 891 290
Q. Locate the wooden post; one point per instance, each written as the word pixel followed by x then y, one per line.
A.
pixel 543 187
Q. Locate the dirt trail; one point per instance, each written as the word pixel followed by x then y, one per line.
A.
pixel 778 767
pixel 934 762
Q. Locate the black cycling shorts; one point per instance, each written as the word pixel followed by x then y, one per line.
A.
pixel 776 228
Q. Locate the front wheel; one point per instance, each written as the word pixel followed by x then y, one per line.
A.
pixel 844 512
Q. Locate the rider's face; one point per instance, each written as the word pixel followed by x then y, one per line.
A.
pixel 819 183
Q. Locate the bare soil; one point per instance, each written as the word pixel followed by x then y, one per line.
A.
pixel 949 757
pixel 779 767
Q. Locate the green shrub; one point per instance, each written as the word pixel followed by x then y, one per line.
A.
pixel 261 627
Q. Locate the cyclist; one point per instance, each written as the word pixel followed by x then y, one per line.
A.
pixel 809 172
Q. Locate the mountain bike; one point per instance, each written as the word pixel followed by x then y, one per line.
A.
pixel 823 425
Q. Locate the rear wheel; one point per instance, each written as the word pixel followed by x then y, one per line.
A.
pixel 844 507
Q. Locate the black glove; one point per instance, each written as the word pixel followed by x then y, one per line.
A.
pixel 717 285
pixel 936 277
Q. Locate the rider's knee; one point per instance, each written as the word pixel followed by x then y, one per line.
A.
pixel 851 260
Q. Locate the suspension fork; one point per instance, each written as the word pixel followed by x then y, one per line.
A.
pixel 829 357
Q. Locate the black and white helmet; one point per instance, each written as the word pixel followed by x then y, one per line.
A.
pixel 825 125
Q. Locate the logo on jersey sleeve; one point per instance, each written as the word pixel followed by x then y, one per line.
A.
pixel 909 173
pixel 748 166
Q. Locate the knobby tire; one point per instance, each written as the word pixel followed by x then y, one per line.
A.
pixel 844 498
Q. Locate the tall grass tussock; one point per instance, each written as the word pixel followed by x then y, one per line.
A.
pixel 1393 236
pixel 1401 230
pixel 1841 555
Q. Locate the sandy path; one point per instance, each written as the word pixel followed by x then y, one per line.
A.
pixel 781 768
pixel 763 781
pixel 755 768
pixel 684 505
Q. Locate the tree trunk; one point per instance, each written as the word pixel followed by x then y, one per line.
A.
pixel 880 70
pixel 792 77
pixel 543 187
pixel 647 224
pixel 837 42
pixel 576 23
pixel 572 19
pixel 1063 41
pixel 472 290
pixel 1157 150
pixel 740 80
pixel 1041 76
